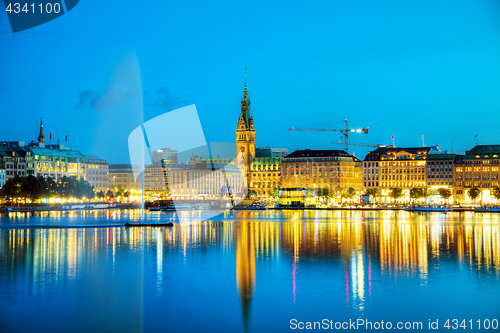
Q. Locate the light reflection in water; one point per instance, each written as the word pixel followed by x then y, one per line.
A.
pixel 402 246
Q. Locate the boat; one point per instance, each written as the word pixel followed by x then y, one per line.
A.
pixel 487 209
pixel 201 206
pixel 154 209
pixel 249 207
pixel 168 224
pixel 175 208
pixel 428 208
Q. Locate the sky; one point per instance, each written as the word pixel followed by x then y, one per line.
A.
pixel 402 68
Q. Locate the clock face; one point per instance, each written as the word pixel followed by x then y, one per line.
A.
pixel 242 149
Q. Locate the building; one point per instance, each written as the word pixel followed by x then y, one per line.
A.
pixel 3 179
pixel 39 159
pixel 97 172
pixel 313 169
pixel 477 168
pixel 167 155
pixel 121 176
pixel 15 159
pixel 389 167
pixel 439 174
pixel 57 163
pixel 261 167
pixel 195 181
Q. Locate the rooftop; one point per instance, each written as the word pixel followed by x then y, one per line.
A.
pixel 317 153
pixel 484 149
pixel 55 152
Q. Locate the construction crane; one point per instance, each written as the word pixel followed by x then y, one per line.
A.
pixel 345 134
pixel 373 145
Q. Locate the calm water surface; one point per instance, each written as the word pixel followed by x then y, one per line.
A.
pixel 244 271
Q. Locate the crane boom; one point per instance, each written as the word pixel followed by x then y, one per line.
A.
pixel 360 144
pixel 345 132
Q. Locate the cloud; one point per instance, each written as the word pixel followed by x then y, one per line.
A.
pixel 167 101
pixel 115 94
pixel 85 98
pixel 125 88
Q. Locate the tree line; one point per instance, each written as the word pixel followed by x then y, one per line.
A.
pixel 422 192
pixel 36 188
pixel 110 194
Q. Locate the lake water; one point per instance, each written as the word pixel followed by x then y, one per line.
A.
pixel 246 271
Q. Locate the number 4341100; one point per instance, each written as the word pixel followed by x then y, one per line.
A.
pixel 48 8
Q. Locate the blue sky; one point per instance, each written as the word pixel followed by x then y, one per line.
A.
pixel 402 68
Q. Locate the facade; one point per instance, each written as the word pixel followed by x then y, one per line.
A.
pixel 57 163
pixel 194 181
pixel 388 167
pixel 16 159
pixel 439 174
pixel 167 155
pixel 97 172
pixel 313 169
pixel 478 168
pixel 265 175
pixel 3 179
pixel 261 167
pixel 122 176
pixel 440 170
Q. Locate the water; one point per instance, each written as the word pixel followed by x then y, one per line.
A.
pixel 245 271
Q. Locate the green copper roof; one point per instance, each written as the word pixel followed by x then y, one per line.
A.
pixel 484 149
pixel 434 157
pixel 55 152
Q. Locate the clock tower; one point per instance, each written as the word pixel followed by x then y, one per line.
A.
pixel 245 136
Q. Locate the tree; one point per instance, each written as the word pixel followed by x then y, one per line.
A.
pixel 126 195
pixel 10 189
pixel 474 193
pixel 396 193
pixel 425 192
pixel 274 192
pixel 110 194
pixel 351 192
pixel 416 193
pixel 119 192
pixel 31 188
pixel 496 192
pixel 52 188
pixel 348 193
pixel 373 192
pixel 444 193
pixel 323 192
pixel 251 193
pixel 100 194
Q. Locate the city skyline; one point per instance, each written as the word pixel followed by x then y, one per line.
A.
pixel 428 77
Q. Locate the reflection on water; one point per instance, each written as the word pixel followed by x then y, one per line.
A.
pixel 368 249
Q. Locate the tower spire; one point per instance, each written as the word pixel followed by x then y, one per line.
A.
pixel 41 138
pixel 245 90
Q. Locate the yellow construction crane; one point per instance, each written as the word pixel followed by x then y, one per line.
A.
pixel 345 135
